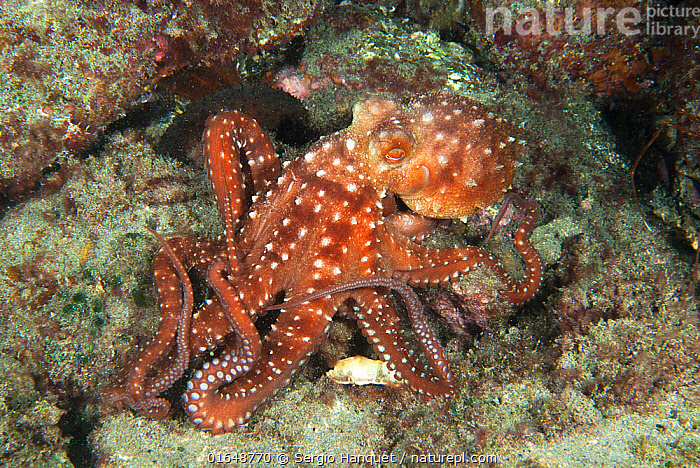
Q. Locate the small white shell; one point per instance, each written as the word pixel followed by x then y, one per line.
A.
pixel 359 370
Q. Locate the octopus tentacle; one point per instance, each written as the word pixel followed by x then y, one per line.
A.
pixel 379 323
pixel 228 137
pixel 237 358
pixel 366 282
pixel 428 341
pixel 200 399
pixel 443 266
pixel 210 326
pixel 239 318
pixel 531 282
pixel 175 289
pixel 219 406
pixel 175 371
pixel 510 198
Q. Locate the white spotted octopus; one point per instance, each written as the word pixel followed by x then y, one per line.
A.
pixel 324 234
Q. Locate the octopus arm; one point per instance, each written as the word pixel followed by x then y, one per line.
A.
pixel 380 324
pixel 373 291
pixel 423 266
pixel 276 203
pixel 168 351
pixel 239 318
pixel 229 390
pixel 228 138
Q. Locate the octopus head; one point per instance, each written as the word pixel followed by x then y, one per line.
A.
pixel 445 156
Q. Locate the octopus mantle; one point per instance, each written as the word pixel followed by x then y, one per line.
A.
pixel 326 221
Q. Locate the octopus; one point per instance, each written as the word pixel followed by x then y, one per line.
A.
pixel 323 236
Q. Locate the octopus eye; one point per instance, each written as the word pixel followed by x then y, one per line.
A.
pixel 395 155
pixel 392 145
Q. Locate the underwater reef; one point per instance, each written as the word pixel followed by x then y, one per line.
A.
pixel 104 107
pixel 73 67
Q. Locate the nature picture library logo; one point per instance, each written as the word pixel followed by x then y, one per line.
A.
pixel 656 19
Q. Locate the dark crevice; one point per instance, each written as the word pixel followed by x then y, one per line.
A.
pixel 77 425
